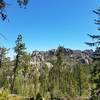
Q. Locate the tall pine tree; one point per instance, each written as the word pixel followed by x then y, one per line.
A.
pixel 95 71
pixel 19 50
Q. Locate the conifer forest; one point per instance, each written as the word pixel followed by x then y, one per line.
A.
pixel 55 74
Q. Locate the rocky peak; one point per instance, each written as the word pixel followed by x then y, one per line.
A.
pixel 73 55
pixel 38 56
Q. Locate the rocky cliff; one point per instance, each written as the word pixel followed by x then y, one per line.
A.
pixel 84 57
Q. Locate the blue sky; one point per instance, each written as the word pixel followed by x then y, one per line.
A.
pixel 46 24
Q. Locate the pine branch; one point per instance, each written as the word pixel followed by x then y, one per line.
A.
pixel 97 21
pixel 94 36
pixel 90 44
pixel 97 12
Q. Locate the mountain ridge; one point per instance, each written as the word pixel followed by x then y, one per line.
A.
pixel 84 57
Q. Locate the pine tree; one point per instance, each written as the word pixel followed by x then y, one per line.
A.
pixel 60 57
pixel 23 74
pixel 19 50
pixel 2 55
pixel 44 80
pixel 95 72
pixel 5 65
pixel 79 79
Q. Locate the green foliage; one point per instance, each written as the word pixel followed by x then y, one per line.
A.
pixel 64 79
pixel 4 94
pixel 19 50
pixel 95 71
pixel 20 46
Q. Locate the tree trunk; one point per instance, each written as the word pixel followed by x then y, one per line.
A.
pixel 14 72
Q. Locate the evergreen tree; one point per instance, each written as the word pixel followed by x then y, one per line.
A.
pixel 44 80
pixel 5 65
pixel 79 80
pixel 22 78
pixel 60 58
pixel 95 72
pixel 19 50
pixel 2 55
pixel 55 74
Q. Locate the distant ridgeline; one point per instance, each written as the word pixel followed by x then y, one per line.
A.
pixel 84 57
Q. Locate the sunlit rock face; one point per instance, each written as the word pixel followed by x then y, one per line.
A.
pixel 39 60
pixel 45 57
pixel 38 56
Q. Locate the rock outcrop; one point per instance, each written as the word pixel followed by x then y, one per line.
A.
pixel 84 57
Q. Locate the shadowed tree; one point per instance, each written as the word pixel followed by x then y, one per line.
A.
pixel 95 72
